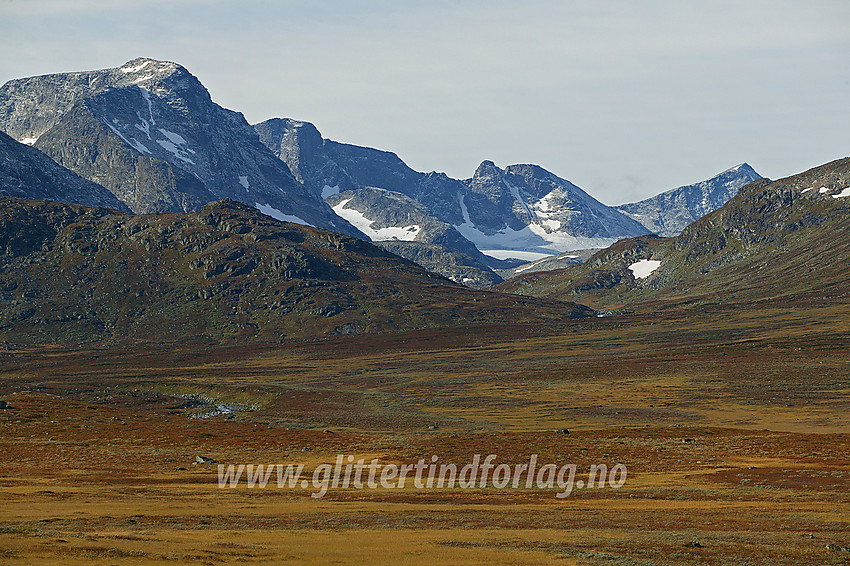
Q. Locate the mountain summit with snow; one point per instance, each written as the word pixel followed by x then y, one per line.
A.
pixel 521 211
pixel 149 132
pixel 525 207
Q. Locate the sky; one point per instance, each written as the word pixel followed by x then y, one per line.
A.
pixel 626 99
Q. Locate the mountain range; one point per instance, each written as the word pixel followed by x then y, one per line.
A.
pixel 520 211
pixel 774 240
pixel 149 134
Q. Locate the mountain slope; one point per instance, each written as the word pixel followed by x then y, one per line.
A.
pixel 773 239
pixel 28 173
pixel 75 274
pixel 668 213
pixel 149 132
pixel 330 167
pixel 522 208
pixel 404 226
pixel 525 207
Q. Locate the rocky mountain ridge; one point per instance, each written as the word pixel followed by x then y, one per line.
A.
pixel 149 132
pixel 27 172
pixel 668 213
pixel 772 239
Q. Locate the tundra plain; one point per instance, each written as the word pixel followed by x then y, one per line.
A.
pixel 733 422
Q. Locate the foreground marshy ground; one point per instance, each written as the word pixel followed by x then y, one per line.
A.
pixel 733 423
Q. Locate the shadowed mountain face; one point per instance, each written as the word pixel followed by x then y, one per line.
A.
pixel 149 132
pixel 400 224
pixel 28 173
pixel 526 206
pixel 522 208
pixel 668 213
pixel 75 274
pixel 773 239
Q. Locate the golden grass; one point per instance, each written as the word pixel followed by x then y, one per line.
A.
pixel 97 452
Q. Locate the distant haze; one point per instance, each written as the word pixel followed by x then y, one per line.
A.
pixel 625 99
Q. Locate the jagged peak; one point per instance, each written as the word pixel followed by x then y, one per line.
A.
pixel 156 75
pixel 744 168
pixel 535 170
pixel 286 123
pixel 486 168
pixel 293 123
pixel 301 126
pixel 146 65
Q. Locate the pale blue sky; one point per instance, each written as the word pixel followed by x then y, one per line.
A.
pixel 624 98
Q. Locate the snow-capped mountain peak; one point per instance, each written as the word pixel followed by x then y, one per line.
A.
pixel 150 133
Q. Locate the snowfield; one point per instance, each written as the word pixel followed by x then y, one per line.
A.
pixel 531 242
pixel 644 268
pixel 359 220
pixel 275 213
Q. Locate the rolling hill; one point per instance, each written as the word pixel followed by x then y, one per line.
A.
pixel 774 239
pixel 74 274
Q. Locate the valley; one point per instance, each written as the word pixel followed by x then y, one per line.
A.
pixel 184 295
pixel 99 445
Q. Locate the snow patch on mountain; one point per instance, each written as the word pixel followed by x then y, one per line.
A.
pixel 135 69
pixel 278 215
pixel 644 268
pixel 176 151
pixel 844 193
pixel 359 220
pixel 132 142
pixel 146 94
pixel 145 128
pixel 173 138
pixel 533 241
pixel 532 238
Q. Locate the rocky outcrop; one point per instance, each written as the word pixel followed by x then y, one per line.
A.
pixel 448 262
pixel 27 172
